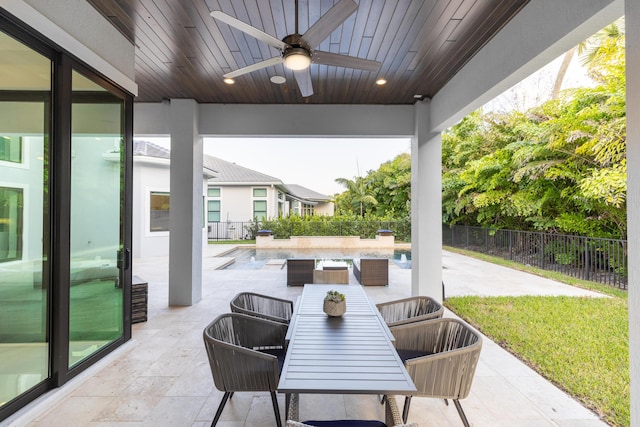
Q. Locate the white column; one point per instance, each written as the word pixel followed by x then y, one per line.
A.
pixel 426 207
pixel 632 17
pixel 185 223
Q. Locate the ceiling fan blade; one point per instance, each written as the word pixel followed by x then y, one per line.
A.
pixel 303 78
pixel 328 58
pixel 254 67
pixel 246 28
pixel 329 22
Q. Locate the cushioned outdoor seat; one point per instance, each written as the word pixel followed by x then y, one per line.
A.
pixel 441 356
pixel 264 306
pixel 245 353
pixel 408 310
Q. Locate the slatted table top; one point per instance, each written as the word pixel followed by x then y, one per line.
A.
pixel 348 354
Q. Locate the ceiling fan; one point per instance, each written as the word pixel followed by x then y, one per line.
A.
pixel 298 51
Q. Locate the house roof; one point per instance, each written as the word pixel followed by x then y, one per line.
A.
pixel 300 192
pixel 232 174
pixel 146 148
pixel 229 173
pixel 149 149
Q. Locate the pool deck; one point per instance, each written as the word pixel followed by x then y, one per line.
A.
pixel 161 376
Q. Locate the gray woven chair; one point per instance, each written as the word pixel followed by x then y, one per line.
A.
pixel 392 417
pixel 408 310
pixel 264 306
pixel 245 353
pixel 441 356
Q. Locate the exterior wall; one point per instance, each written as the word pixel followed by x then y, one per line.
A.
pixel 148 176
pixel 632 17
pixel 28 177
pixel 236 202
pixel 91 239
pixel 325 242
pixel 325 209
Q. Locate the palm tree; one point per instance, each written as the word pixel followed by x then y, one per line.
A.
pixel 358 191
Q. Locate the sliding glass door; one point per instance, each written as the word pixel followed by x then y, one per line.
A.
pixel 25 93
pixel 97 184
pixel 65 216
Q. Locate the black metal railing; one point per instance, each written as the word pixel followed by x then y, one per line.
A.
pixel 588 258
pixel 235 230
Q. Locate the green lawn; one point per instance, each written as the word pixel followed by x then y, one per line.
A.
pixel 580 344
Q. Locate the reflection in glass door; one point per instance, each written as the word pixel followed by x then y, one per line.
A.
pixel 96 294
pixel 25 93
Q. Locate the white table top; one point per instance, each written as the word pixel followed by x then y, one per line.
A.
pixel 348 354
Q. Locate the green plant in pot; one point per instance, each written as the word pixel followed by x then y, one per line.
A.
pixel 334 304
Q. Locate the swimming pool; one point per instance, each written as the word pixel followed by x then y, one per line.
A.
pixel 255 259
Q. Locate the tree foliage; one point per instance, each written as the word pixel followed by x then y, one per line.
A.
pixel 385 192
pixel 557 167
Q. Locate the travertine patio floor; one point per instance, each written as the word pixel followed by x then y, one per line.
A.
pixel 162 378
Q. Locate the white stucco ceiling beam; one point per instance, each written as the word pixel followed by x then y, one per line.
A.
pixel 541 32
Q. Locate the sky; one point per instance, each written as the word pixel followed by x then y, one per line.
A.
pixel 314 163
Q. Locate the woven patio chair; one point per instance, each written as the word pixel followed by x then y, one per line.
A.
pixel 441 356
pixel 246 353
pixel 392 417
pixel 264 306
pixel 408 310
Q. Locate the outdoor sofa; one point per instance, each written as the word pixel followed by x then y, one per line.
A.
pixel 371 271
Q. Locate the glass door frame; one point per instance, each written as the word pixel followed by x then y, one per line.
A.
pixel 57 229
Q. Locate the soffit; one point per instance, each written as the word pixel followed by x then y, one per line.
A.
pixel 182 52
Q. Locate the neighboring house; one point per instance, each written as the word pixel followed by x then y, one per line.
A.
pixel 303 201
pixel 233 194
pixel 151 199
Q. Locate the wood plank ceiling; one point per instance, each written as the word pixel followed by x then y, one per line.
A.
pixel 182 52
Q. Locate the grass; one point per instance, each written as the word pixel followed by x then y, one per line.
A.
pixel 580 344
pixel 232 242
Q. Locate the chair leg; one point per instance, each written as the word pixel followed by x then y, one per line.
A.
pixel 463 417
pixel 220 408
pixel 276 409
pixel 405 410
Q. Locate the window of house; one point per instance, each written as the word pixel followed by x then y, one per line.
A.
pixel 11 149
pixel 159 215
pixel 307 209
pixel 260 209
pixel 11 202
pixel 213 192
pixel 259 192
pixel 213 211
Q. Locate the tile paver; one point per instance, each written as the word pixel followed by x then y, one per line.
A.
pixel 161 377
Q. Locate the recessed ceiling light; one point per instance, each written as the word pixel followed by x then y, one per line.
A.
pixel 417 96
pixel 229 81
pixel 381 82
pixel 278 80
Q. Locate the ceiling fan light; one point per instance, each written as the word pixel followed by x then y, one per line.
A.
pixel 229 81
pixel 297 59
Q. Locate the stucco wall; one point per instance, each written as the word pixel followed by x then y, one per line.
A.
pixel 148 175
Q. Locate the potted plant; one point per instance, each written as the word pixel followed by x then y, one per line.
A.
pixel 334 304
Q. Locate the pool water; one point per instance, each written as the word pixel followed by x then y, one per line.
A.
pixel 255 259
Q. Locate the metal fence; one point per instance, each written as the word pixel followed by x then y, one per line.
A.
pixel 236 230
pixel 594 259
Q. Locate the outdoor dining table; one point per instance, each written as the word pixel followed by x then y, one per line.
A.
pixel 351 354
